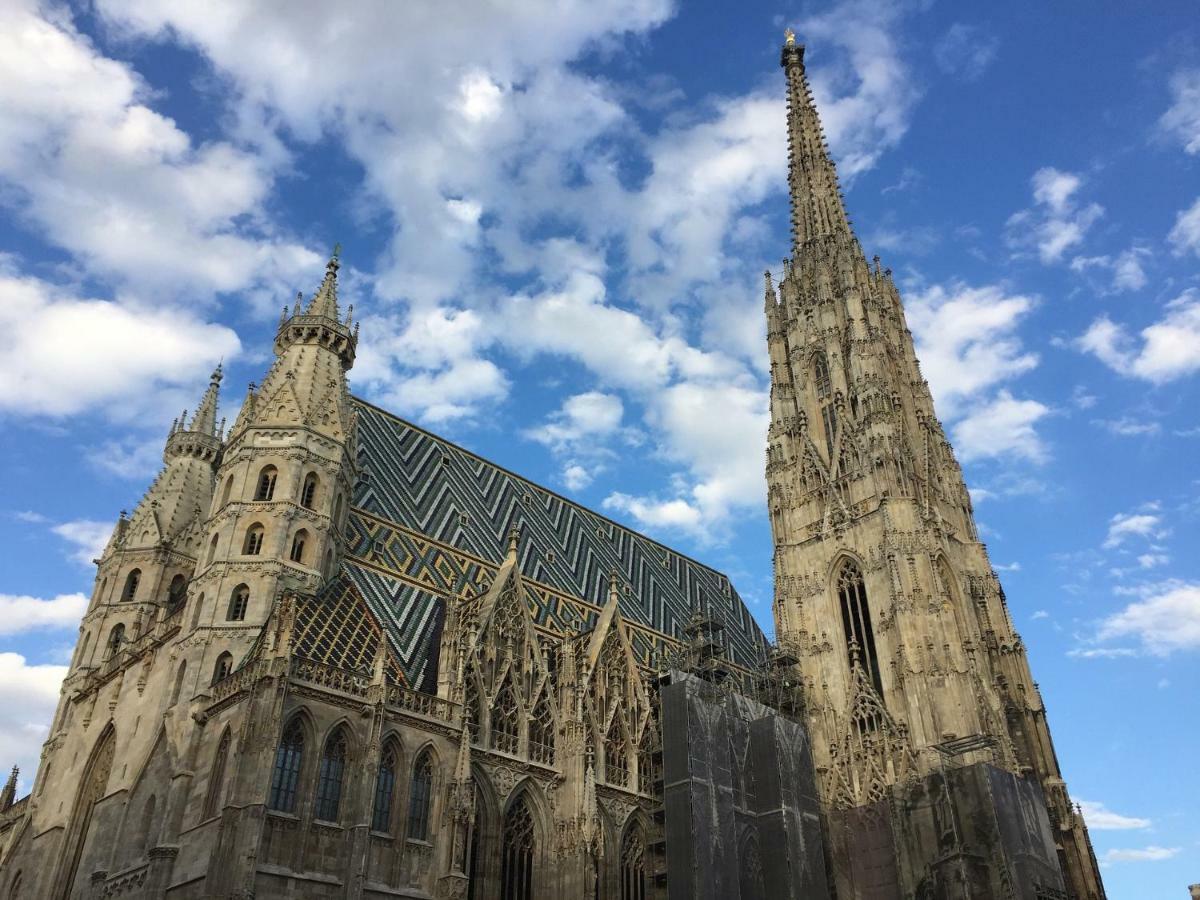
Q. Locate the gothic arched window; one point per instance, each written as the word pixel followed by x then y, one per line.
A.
pixel 216 777
pixel 645 755
pixel 146 831
pixel 633 864
pixel 116 638
pixel 288 758
pixel 178 687
pixel 227 491
pixel 517 844
pixel 81 657
pixel 329 778
pixel 266 483
pixel 212 548
pixel 420 796
pixel 252 546
pixel 856 621
pixel 239 602
pixel 177 592
pixel 197 609
pixel 308 493
pixel 505 720
pixel 385 788
pixel 823 387
pixel 223 667
pixel 616 754
pixel 132 580
pixel 298 542
pixel 541 733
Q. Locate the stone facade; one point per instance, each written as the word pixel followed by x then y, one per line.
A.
pixel 332 655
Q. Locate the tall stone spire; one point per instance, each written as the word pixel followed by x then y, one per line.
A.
pixel 205 420
pixel 817 206
pixel 883 592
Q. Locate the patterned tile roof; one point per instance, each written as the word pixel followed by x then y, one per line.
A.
pixel 431 520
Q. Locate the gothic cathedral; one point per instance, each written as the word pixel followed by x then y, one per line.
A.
pixel 332 655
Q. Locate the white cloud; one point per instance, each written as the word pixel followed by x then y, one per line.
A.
pixel 1144 854
pixel 1182 119
pixel 128 458
pixel 1145 523
pixel 576 477
pixel 1165 620
pixel 1153 560
pixel 91 166
pixel 1101 652
pixel 1128 427
pixel 1056 223
pixel 1010 567
pixel 88 538
pixel 1003 426
pixel 1100 818
pixel 966 340
pixel 61 354
pixel 1040 614
pixel 28 695
pixel 1185 234
pixel 965 51
pixel 19 612
pixel 1126 269
pixel 1169 348
pixel 583 418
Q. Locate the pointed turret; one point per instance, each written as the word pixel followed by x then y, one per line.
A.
pixel 9 795
pixel 325 300
pixel 205 420
pixel 817 208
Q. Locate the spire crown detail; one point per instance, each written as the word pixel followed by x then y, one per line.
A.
pixel 817 207
pixel 320 322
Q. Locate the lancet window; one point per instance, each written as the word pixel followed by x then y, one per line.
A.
pixel 239 602
pixel 505 720
pixel 856 622
pixel 252 546
pixel 177 592
pixel 329 777
pixel 633 864
pixel 420 798
pixel 266 483
pixel 223 667
pixel 216 778
pixel 298 542
pixel 308 493
pixel 616 755
pixel 288 758
pixel 116 638
pixel 823 387
pixel 385 789
pixel 132 580
pixel 541 733
pixel 518 843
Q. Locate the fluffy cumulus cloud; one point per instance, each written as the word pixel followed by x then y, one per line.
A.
pixel 87 162
pixel 63 353
pixel 1003 426
pixel 28 694
pixel 966 339
pixel 1057 221
pixel 1100 818
pixel 1145 523
pixel 579 433
pixel 20 613
pixel 1181 121
pixel 1165 619
pixel 1126 270
pixel 1168 349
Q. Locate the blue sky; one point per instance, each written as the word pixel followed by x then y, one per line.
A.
pixel 554 221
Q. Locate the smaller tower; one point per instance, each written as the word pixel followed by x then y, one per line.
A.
pixel 284 482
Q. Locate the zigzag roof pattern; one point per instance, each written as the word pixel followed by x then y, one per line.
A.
pixel 431 520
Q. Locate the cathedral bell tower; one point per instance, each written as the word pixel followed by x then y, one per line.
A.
pixel 883 591
pixel 284 483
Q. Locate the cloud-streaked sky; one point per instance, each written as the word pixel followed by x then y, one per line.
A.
pixel 554 219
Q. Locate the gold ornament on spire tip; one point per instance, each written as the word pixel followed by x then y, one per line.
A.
pixel 789 37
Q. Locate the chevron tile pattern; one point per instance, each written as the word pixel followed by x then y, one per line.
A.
pixel 431 520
